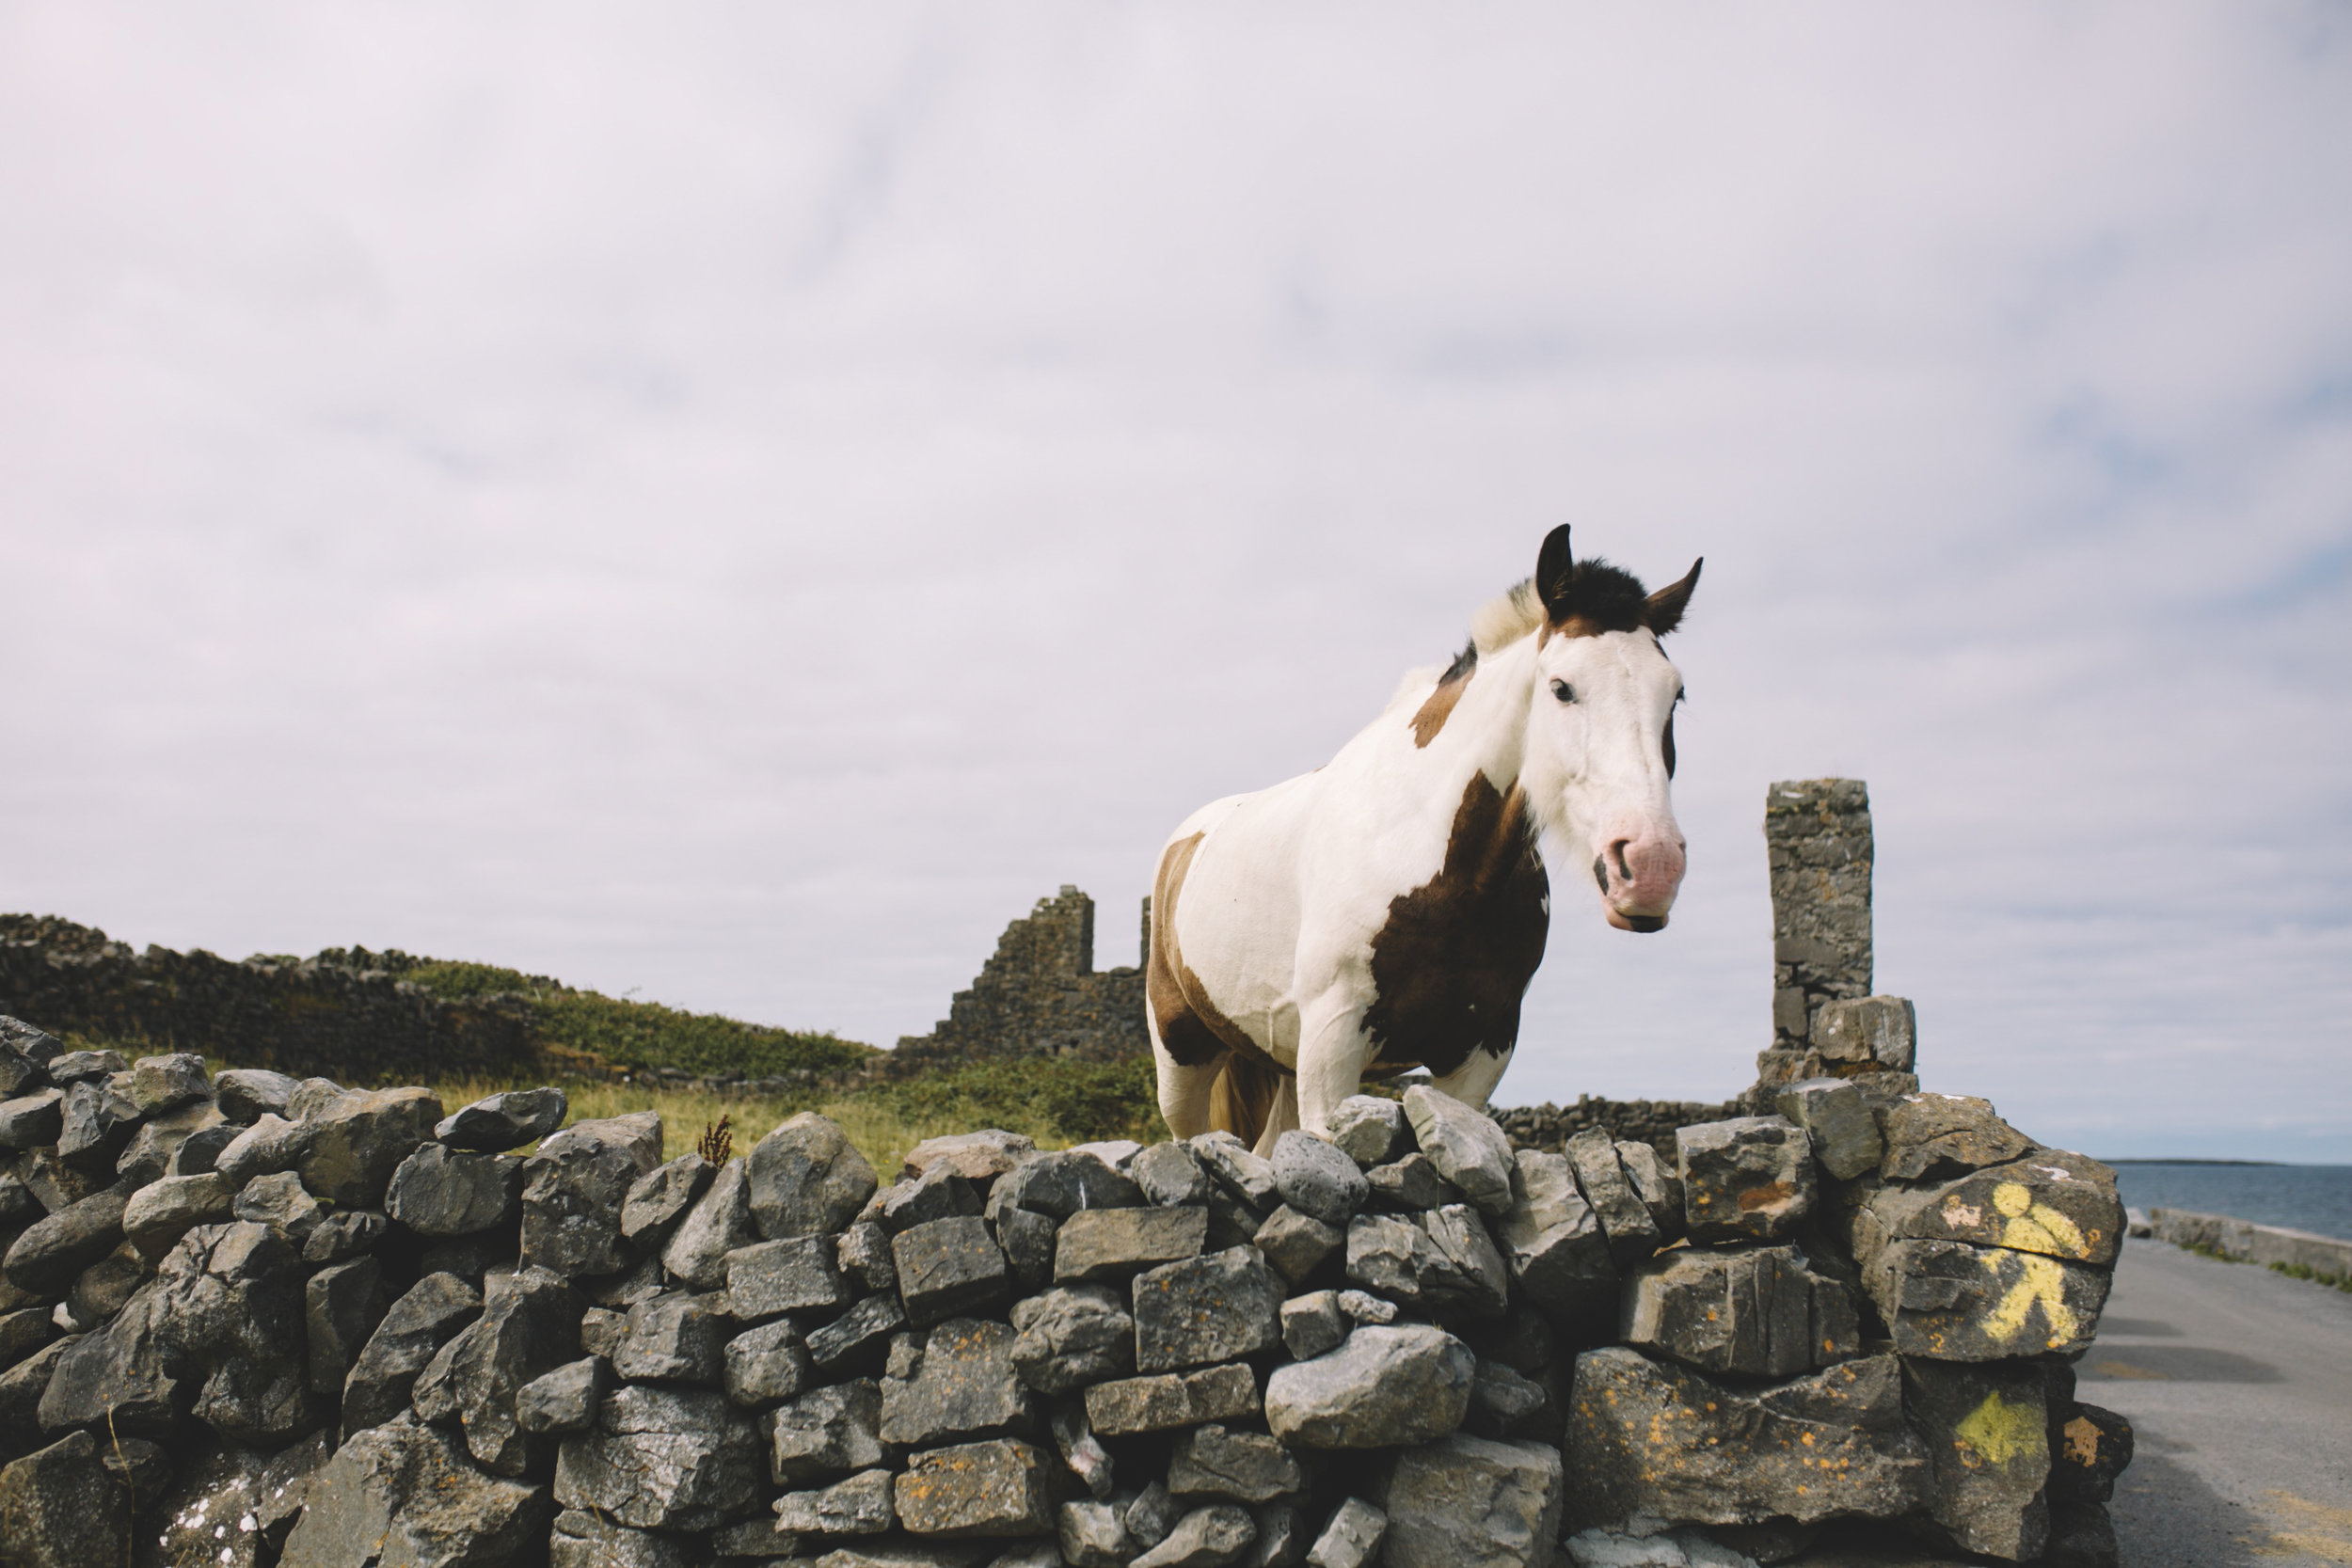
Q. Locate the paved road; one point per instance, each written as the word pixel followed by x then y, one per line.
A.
pixel 2238 1383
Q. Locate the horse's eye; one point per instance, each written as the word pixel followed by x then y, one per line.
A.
pixel 1563 691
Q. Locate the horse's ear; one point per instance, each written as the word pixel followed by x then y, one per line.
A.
pixel 1662 610
pixel 1555 569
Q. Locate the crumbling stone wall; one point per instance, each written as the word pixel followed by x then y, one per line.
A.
pixel 1038 995
pixel 300 1015
pixel 1818 843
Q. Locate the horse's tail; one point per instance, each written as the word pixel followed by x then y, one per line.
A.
pixel 1250 1095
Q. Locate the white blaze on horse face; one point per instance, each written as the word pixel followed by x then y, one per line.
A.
pixel 1596 767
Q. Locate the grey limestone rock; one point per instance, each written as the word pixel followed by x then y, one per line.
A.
pixel 1243 1466
pixel 345 1234
pixel 1095 1535
pixel 244 1095
pixel 1464 1143
pixel 157 1216
pixel 1153 1514
pixel 719 1223
pixel 1445 1266
pixel 431 1313
pixel 21 1333
pixel 825 1432
pixel 766 1364
pixel 360 1137
pixel 1633 1232
pixel 1350 1537
pixel 855 1339
pixel 1747 1310
pixel 677 1337
pixel 863 1255
pixel 583 1540
pixel 966 1387
pixel 1000 1487
pixel 662 1459
pixel 201 1150
pixel 1211 1537
pixel 94 1125
pixel 1410 1182
pixel 281 1202
pixel 794 1275
pixel 1371 1130
pixel 1986 1434
pixel 22 1389
pixel 504 1122
pixel 63 1508
pixel 1170 1176
pixel 1073 1336
pixel 1878 1031
pixel 600 1330
pixel 1297 1244
pixel 1166 1401
pixel 271 1144
pixel 79 1066
pixel 530 1325
pixel 1312 1323
pixel 1552 1243
pixel 159 1083
pixel 32 1119
pixel 660 1197
pixel 1651 1438
pixel 403 1493
pixel 1115 1243
pixel 1838 1124
pixel 1062 1183
pixel 860 1505
pixel 1961 1302
pixel 53 1252
pixel 978 1157
pixel 1282 1535
pixel 1380 1388
pixel 1943 1135
pixel 341 1307
pixel 440 1191
pixel 1233 1167
pixel 573 1190
pixel 1029 1240
pixel 637 1132
pixel 565 1400
pixel 807 1179
pixel 101 1289
pixel 1655 1183
pixel 310 1096
pixel 1223 1307
pixel 1316 1177
pixel 2051 1202
pixel 1746 1180
pixel 755 1537
pixel 1470 1502
pixel 940 1192
pixel 947 1268
pixel 1081 1455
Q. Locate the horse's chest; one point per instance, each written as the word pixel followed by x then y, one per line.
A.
pixel 1451 959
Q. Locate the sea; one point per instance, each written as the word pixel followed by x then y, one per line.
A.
pixel 2317 1198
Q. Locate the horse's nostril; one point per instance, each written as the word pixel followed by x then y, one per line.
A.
pixel 1601 874
pixel 1616 852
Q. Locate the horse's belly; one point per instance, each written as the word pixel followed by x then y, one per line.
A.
pixel 1236 919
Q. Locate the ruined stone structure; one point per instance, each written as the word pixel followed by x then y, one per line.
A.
pixel 1039 996
pixel 1817 838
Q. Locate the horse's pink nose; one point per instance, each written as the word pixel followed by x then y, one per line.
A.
pixel 1639 878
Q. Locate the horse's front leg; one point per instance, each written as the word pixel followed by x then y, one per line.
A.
pixel 1333 1051
pixel 1476 1079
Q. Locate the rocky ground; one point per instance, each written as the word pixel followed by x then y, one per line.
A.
pixel 249 1321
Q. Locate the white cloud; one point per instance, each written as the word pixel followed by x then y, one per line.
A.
pixel 737 503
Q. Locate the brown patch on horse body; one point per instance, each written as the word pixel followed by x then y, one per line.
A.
pixel 1192 1031
pixel 1575 625
pixel 1438 708
pixel 1451 964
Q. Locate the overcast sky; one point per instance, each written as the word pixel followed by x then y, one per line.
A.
pixel 731 503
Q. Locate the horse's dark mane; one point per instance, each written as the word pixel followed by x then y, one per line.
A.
pixel 1611 597
pixel 1464 662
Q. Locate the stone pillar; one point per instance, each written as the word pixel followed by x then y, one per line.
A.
pixel 1817 836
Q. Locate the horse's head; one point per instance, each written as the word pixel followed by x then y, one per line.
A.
pixel 1601 738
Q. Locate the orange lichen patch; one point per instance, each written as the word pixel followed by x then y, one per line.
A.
pixel 1765 1196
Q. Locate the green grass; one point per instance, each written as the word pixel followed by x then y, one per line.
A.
pixel 1056 1102
pixel 2293 1270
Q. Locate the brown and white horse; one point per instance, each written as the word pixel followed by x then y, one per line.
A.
pixel 1387 910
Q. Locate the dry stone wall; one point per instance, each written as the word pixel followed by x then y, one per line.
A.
pixel 1039 995
pixel 257 1322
